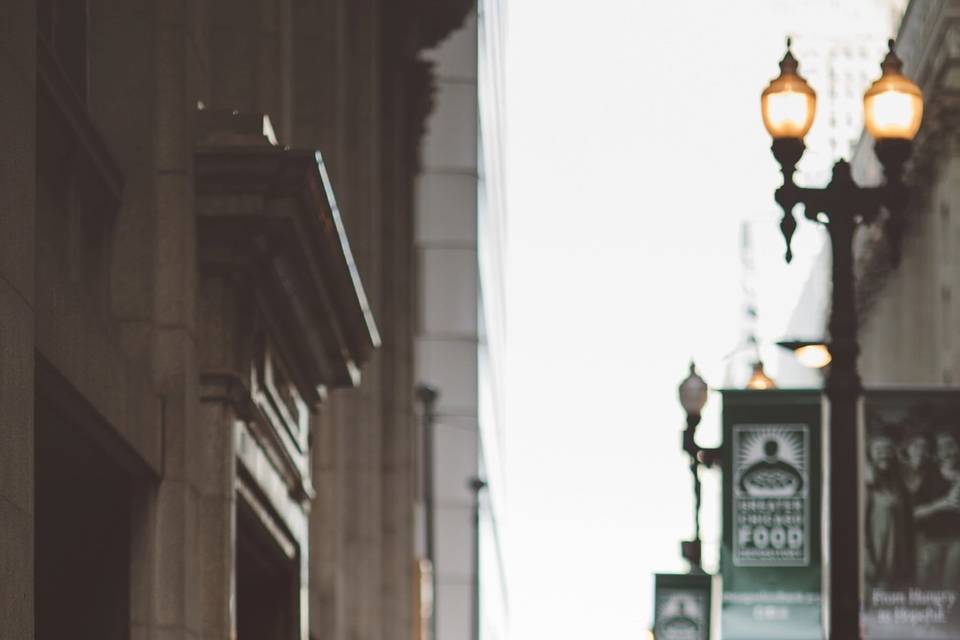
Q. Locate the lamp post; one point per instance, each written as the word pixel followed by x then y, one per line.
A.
pixel 427 396
pixel 693 397
pixel 893 108
pixel 476 486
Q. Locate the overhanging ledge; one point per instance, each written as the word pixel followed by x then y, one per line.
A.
pixel 268 215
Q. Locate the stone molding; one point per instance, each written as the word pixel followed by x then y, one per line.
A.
pixel 268 214
pixel 292 467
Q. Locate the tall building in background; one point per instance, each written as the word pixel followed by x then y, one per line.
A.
pixel 461 248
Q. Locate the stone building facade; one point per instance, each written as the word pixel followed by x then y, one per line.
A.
pixel 207 391
pixel 910 315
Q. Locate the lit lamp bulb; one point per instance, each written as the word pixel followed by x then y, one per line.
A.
pixel 893 105
pixel 788 104
pixel 760 381
pixel 814 356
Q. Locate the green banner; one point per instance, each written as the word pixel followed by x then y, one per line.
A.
pixel 682 606
pixel 770 558
pixel 911 497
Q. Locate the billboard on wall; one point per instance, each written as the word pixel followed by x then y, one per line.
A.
pixel 911 497
pixel 682 606
pixel 770 558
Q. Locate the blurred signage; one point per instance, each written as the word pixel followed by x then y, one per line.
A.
pixel 682 605
pixel 770 558
pixel 771 495
pixel 912 515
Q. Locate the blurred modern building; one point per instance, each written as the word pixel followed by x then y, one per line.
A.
pixel 461 247
pixel 213 297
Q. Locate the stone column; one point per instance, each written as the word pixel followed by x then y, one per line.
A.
pixel 360 411
pixel 179 578
pixel 17 229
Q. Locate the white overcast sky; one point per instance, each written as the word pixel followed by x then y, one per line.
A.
pixel 635 150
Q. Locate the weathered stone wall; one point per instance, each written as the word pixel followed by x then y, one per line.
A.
pixel 121 325
pixel 17 315
pixel 910 315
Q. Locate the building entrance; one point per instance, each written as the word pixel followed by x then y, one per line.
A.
pixel 82 536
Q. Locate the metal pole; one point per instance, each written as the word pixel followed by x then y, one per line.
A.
pixel 476 486
pixel 692 549
pixel 843 388
pixel 840 206
pixel 427 396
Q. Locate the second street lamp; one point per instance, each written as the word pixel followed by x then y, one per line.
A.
pixel 693 396
pixel 893 108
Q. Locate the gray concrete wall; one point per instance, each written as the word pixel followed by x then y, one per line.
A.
pixel 448 325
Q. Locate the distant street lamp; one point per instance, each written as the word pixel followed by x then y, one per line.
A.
pixel 759 380
pixel 893 109
pixel 693 397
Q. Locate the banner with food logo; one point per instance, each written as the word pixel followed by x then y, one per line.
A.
pixel 682 606
pixel 770 557
pixel 911 498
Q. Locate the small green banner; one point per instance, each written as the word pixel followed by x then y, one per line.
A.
pixel 911 502
pixel 682 606
pixel 770 558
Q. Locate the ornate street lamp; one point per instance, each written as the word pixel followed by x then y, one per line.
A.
pixel 693 397
pixel 893 108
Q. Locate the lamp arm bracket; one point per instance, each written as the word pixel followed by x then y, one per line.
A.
pixel 863 204
pixel 710 456
pixel 707 456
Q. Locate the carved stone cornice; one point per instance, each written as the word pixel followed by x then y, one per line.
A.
pixel 268 215
pixel 421 100
pixel 419 25
pixel 436 19
pixel 930 44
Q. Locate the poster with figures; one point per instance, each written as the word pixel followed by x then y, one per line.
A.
pixel 770 495
pixel 770 557
pixel 682 606
pixel 911 498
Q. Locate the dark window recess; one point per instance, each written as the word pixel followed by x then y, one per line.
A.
pixel 62 24
pixel 78 182
pixel 267 589
pixel 82 538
